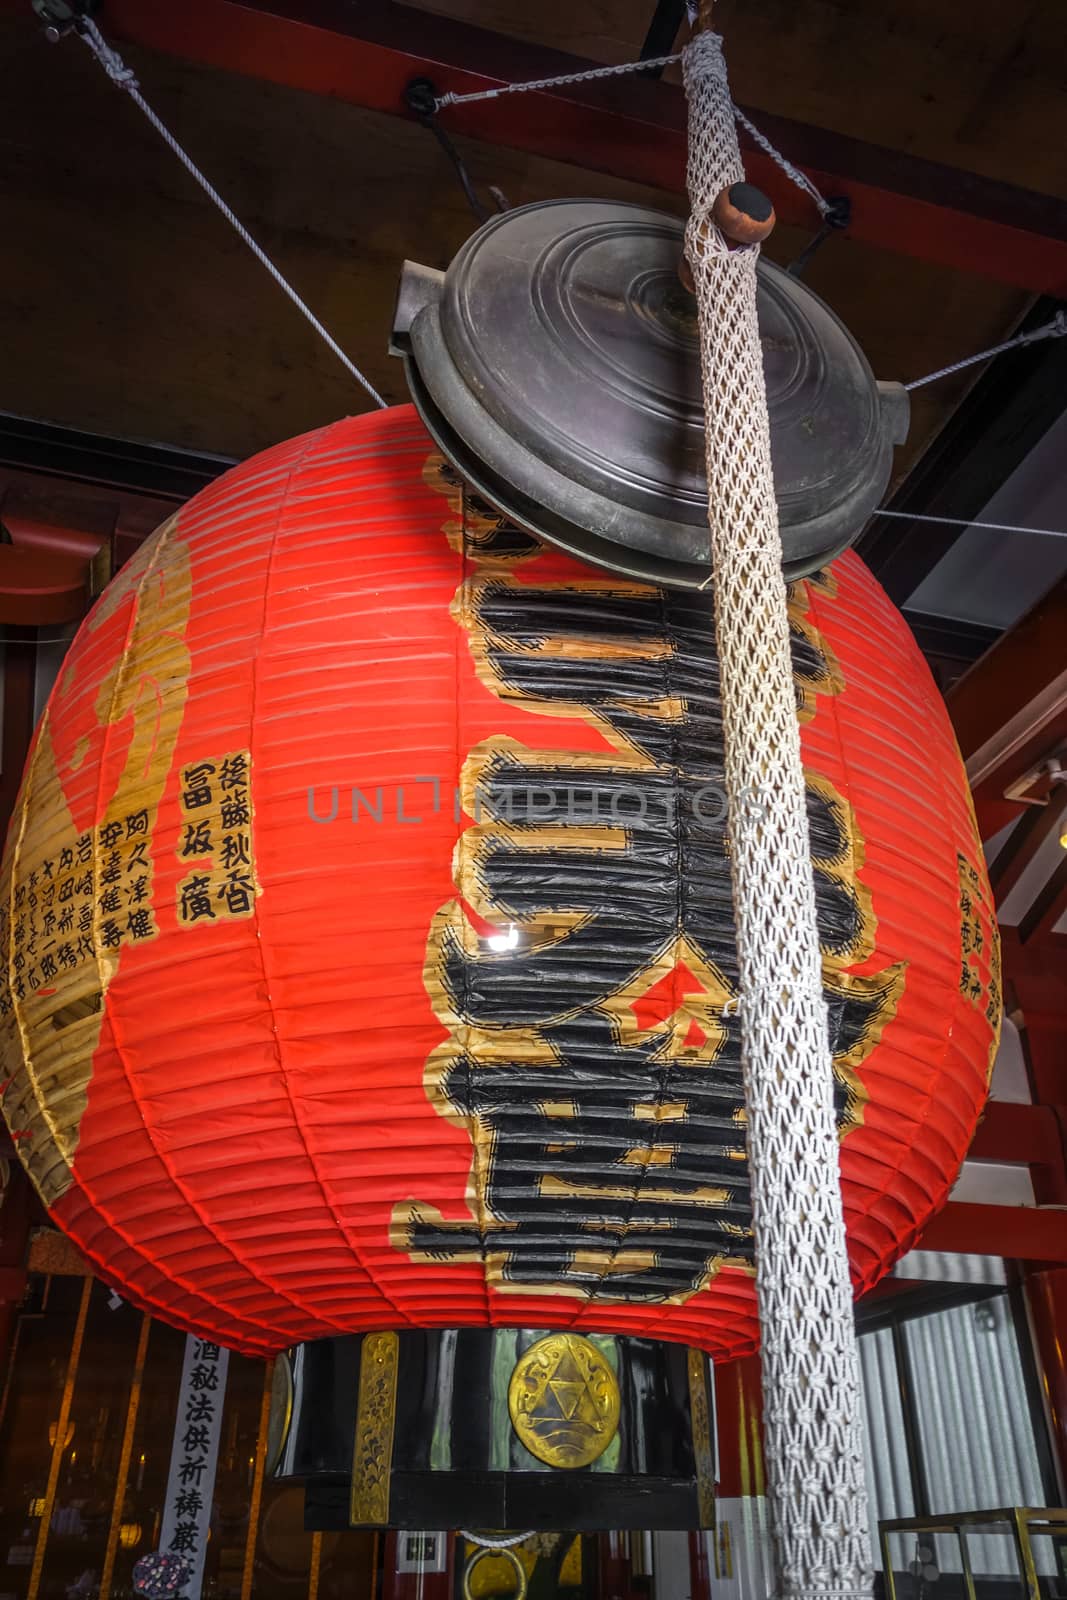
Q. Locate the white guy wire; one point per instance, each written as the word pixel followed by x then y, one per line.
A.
pixel 124 76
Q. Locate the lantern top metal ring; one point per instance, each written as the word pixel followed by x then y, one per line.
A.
pixel 557 364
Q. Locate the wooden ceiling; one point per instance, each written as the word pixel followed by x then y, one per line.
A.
pixel 130 309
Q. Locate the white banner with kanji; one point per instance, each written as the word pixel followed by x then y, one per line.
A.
pixel 194 1457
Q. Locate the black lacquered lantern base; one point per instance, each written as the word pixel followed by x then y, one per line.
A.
pixel 496 1428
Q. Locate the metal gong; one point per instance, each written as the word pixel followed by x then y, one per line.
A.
pixel 556 364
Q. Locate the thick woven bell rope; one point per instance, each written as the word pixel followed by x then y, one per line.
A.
pixel 812 1405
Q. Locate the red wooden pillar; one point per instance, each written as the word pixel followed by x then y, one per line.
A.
pixel 401 1552
pixel 699 1567
pixel 1047 1294
pixel 613 1567
pixel 739 1427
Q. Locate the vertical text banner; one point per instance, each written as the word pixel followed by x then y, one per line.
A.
pixel 194 1457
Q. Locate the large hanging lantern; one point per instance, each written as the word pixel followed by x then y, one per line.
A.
pixel 367 928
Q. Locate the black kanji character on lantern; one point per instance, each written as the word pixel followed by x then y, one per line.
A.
pixel 196 841
pixel 66 920
pixel 137 858
pixel 48 967
pixel 66 859
pixel 238 891
pixel 234 811
pixel 614 1152
pixel 194 904
pixel 111 871
pixel 136 822
pixel 139 924
pixel 235 850
pixel 188 1503
pixel 137 891
pixel 111 901
pixel 234 771
pixel 48 868
pixel 202 1377
pixel 197 780
pixel 110 834
pixel 110 934
pixel 186 1536
pixel 85 849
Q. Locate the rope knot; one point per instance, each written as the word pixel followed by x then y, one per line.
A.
pixel 109 59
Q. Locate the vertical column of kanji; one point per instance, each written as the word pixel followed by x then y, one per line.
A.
pixel 186 1520
pixel 810 1367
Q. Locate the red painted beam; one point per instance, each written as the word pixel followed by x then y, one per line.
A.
pixel 20 654
pixel 1020 1233
pixel 1018 1133
pixel 37 587
pixel 633 128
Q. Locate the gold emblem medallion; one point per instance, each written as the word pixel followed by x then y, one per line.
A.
pixel 564 1401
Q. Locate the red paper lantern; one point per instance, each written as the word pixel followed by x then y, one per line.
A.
pixel 369 948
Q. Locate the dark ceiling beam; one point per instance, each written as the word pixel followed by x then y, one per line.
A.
pixel 1048 908
pixel 160 471
pixel 663 30
pixel 1011 407
pixel 1031 833
pixel 633 128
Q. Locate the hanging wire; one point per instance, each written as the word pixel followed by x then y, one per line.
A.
pixel 971 522
pixel 652 64
pixel 824 207
pixel 1056 329
pixel 125 78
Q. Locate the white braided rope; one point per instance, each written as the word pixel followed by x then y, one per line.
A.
pixel 487 1542
pixel 810 1366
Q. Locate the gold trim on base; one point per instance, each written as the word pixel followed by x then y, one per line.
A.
pixel 700 1424
pixel 372 1453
